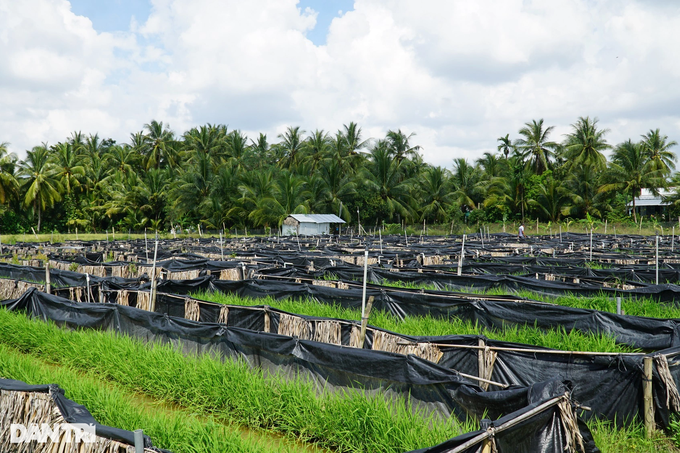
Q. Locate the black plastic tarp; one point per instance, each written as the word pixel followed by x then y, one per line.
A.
pixel 425 385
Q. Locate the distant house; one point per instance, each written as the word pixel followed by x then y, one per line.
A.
pixel 649 204
pixel 309 224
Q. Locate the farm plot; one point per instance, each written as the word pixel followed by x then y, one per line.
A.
pixel 421 324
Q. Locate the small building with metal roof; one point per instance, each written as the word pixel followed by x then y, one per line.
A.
pixel 309 224
pixel 649 204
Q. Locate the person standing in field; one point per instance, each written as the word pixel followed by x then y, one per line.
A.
pixel 521 231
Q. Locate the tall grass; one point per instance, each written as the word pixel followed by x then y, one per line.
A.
pixel 169 427
pixel 232 391
pixel 430 326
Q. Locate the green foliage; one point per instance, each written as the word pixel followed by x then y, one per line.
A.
pixel 222 179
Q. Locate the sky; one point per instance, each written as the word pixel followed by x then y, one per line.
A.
pixel 457 74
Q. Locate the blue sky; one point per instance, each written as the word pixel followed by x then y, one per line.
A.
pixel 115 15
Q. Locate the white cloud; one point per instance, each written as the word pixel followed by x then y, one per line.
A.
pixel 459 74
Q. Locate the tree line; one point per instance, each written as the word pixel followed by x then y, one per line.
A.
pixel 219 178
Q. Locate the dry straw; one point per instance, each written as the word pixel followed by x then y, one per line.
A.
pixel 192 310
pixel 233 274
pixel 385 341
pixel 12 289
pixel 38 408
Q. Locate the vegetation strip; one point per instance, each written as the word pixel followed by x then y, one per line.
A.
pixel 232 391
pixel 429 326
pixel 170 428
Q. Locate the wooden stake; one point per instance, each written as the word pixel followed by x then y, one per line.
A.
pixel 647 393
pixel 481 362
pixel 364 322
pixel 267 319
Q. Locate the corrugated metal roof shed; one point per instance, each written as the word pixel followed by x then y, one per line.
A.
pixel 317 218
pixel 647 198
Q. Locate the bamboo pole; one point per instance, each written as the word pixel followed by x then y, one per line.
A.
pixel 152 303
pixel 647 394
pixel 533 351
pixel 481 367
pixel 507 425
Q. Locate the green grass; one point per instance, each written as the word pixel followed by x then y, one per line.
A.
pixel 232 391
pixel 631 439
pixel 638 306
pixel 169 427
pixel 429 326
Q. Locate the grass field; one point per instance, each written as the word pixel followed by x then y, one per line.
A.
pixel 648 229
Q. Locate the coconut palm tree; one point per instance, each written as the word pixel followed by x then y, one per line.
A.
pixel 209 140
pixel 340 187
pixel 585 145
pixel 657 147
pixel 316 148
pixel 68 167
pixel 291 145
pixel 384 176
pixel 505 145
pixel 122 159
pixel 535 145
pixel 468 184
pixel 39 181
pixel 160 143
pixel 632 169
pixel 437 194
pixel 509 192
pixel 399 145
pixel 552 199
pixel 9 185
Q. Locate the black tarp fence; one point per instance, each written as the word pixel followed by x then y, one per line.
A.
pixel 496 312
pixel 418 382
pixel 595 376
pixel 547 419
pixel 71 413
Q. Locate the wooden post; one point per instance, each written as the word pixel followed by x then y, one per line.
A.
pixel 364 322
pixel 48 280
pixel 267 319
pixel 647 394
pixel 481 363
